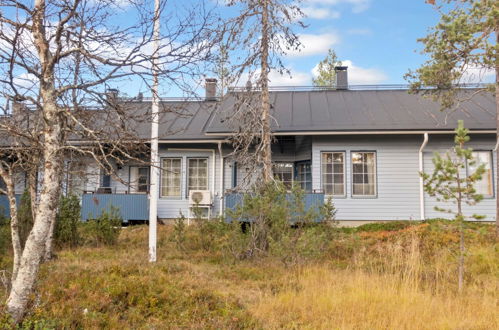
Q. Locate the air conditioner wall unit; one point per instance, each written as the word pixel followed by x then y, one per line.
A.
pixel 199 197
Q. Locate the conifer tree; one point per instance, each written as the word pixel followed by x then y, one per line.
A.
pixel 449 183
pixel 326 74
pixel 462 48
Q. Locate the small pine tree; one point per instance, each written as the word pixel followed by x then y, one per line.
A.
pixel 448 184
pixel 327 74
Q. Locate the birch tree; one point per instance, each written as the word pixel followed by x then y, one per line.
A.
pixel 57 58
pixel 462 48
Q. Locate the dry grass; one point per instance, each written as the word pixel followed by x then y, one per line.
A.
pixel 391 282
pixel 322 298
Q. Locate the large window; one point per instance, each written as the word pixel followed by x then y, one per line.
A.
pixel 363 174
pixel 333 173
pixel 197 174
pixel 303 175
pixel 171 177
pixel 284 173
pixel 485 185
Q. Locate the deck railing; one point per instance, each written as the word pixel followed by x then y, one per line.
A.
pixel 4 204
pixel 131 206
pixel 312 201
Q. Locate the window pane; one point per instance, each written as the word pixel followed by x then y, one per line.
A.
pixel 284 173
pixel 170 178
pixel 333 168
pixel 364 173
pixel 485 185
pixel 197 174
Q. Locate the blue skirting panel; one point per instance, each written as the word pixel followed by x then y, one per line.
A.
pixel 312 202
pixel 131 206
pixel 4 204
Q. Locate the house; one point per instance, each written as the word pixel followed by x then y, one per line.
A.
pixel 364 146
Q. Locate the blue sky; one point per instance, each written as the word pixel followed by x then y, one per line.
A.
pixel 377 39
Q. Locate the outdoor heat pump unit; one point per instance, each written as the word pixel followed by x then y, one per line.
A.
pixel 200 199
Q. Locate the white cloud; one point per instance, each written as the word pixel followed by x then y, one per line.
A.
pixel 475 74
pixel 320 13
pixel 297 78
pixel 360 76
pixel 358 6
pixel 315 44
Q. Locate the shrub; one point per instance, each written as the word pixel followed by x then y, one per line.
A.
pixel 104 230
pixel 25 217
pixel 66 226
pixel 178 234
pixel 386 226
pixel 4 237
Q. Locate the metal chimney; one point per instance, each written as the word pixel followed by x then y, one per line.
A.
pixel 341 77
pixel 210 89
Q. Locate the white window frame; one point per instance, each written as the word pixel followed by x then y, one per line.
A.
pixel 292 172
pixel 491 166
pixel 375 195
pixel 333 173
pixel 188 188
pixel 163 169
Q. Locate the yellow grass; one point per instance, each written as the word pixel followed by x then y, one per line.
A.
pixel 321 298
pixel 382 288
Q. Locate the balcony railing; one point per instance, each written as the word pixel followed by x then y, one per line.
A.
pixel 312 201
pixel 131 206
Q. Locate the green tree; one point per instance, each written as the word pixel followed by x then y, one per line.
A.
pixel 327 74
pixel 66 224
pixel 465 38
pixel 449 183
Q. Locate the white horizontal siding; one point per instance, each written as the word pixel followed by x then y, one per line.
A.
pixel 169 208
pixel 397 176
pixel 487 206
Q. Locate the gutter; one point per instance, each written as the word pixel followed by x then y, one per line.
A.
pixel 421 182
pixel 362 132
pixel 222 165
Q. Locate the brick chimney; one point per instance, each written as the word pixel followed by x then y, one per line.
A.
pixel 341 77
pixel 211 89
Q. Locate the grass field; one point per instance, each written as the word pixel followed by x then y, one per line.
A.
pixel 401 278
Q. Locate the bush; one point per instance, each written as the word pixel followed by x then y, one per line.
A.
pixel 25 217
pixel 66 225
pixel 386 226
pixel 4 237
pixel 104 230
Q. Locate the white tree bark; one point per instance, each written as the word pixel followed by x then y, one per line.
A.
pixel 34 248
pixel 7 176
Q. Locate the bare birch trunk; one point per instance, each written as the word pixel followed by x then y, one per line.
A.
pixel 14 222
pixel 266 133
pixel 34 248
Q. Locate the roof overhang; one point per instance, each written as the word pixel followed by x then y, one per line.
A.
pixel 449 131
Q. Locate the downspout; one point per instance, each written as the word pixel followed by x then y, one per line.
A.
pixel 497 145
pixel 421 182
pixel 221 202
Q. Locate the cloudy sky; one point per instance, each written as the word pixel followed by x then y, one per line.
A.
pixel 375 38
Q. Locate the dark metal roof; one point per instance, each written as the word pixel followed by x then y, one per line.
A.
pixel 365 110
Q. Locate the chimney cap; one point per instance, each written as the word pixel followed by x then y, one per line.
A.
pixel 341 68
